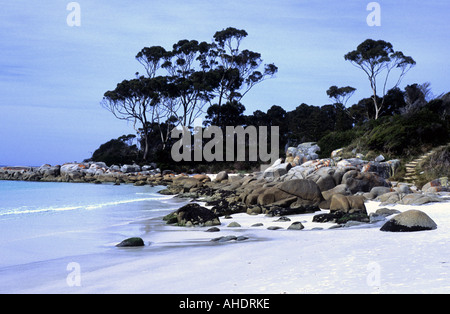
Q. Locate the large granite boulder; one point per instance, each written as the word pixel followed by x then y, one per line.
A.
pixel 302 188
pixel 348 204
pixel 410 220
pixel 358 181
pixel 193 215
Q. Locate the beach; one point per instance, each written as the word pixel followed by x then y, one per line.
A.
pixel 358 259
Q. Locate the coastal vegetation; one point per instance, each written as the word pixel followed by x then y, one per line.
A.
pixel 209 80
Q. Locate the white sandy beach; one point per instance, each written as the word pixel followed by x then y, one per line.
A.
pixel 346 260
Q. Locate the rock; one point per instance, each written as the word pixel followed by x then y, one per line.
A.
pixel 323 178
pixel 308 150
pixel 282 219
pixel 272 195
pixel 190 183
pixel 223 175
pixel 254 210
pixel 386 212
pixel 229 238
pixel 72 172
pixel 274 228
pixel 348 204
pixel 374 218
pixel 410 220
pixel 362 181
pixel 202 177
pixel 234 224
pixel 213 229
pixel 257 225
pixel 277 170
pixel 337 152
pixel 47 170
pixel 302 188
pixel 296 226
pixel 353 223
pixel 301 207
pixel 224 238
pixel 389 198
pixel 355 216
pixel 377 191
pixel 339 203
pixel 338 189
pixel 379 158
pixel 385 169
pixel 419 199
pixel 114 168
pixel 196 215
pixel 342 217
pixel 403 188
pixel 130 168
pixel 438 185
pixel 131 242
pixel 331 217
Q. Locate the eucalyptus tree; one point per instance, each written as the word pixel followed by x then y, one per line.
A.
pixel 137 101
pixel 236 71
pixel 378 59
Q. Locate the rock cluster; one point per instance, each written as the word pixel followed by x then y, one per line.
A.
pixel 340 186
pixel 300 184
pixel 96 172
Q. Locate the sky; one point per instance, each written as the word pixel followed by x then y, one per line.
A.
pixel 53 76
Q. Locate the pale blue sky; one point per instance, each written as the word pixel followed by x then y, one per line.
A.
pixel 52 76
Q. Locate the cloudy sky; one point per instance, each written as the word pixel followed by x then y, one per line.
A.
pixel 53 76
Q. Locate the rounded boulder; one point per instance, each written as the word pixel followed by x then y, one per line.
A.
pixel 410 220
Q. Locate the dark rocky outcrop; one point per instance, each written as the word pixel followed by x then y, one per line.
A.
pixel 131 242
pixel 193 214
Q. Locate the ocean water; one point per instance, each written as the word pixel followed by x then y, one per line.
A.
pixel 42 222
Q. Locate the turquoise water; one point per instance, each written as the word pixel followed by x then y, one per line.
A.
pixel 41 221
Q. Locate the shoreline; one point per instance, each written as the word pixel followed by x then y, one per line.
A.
pixel 318 258
pixel 270 261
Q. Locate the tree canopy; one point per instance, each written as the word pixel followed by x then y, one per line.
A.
pixel 377 58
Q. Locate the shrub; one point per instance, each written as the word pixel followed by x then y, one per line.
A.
pixel 405 135
pixel 335 140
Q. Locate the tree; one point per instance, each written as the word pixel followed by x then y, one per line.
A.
pixel 185 66
pixel 378 59
pixel 340 95
pixel 180 83
pixel 416 97
pixel 232 115
pixel 136 101
pixel 117 151
pixel 235 72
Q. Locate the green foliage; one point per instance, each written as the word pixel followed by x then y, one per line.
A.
pixel 336 140
pixel 377 59
pixel 117 151
pixel 436 166
pixel 405 135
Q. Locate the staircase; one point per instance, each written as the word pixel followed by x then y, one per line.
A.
pixel 411 174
